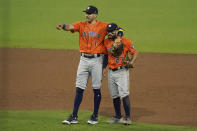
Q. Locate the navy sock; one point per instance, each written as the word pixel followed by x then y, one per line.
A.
pixel 78 100
pixel 97 100
pixel 126 104
pixel 117 102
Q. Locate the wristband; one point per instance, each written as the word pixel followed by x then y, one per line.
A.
pixel 120 32
pixel 64 27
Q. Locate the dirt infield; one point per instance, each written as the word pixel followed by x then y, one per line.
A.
pixel 163 86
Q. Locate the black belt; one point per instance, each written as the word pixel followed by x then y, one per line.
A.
pixel 121 67
pixel 90 55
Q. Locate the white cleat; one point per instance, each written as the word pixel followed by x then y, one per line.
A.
pixel 71 120
pixel 93 120
pixel 116 120
pixel 127 121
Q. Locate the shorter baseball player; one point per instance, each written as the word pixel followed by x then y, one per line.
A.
pixel 118 72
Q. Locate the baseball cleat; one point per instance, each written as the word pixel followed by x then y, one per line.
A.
pixel 116 120
pixel 93 120
pixel 127 121
pixel 71 120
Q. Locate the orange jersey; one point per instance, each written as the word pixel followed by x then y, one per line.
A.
pixel 115 62
pixel 91 37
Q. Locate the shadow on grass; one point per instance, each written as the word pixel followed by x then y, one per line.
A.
pixel 136 112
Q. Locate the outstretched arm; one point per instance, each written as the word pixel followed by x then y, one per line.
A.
pixel 66 27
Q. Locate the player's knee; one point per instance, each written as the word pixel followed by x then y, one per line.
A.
pixel 124 95
pixel 81 86
pixel 116 99
pixel 115 96
pixel 96 87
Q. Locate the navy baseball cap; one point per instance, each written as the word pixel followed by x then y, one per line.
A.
pixel 91 10
pixel 111 27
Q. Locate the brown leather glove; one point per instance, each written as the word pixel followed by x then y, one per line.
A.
pixel 117 49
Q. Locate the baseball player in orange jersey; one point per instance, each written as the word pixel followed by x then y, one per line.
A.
pixel 91 36
pixel 118 74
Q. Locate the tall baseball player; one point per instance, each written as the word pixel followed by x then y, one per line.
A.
pixel 118 72
pixel 91 36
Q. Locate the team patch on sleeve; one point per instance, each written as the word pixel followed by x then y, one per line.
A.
pixel 132 47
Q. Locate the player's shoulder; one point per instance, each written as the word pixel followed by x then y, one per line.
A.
pixel 128 43
pixel 80 22
pixel 102 23
pixel 125 39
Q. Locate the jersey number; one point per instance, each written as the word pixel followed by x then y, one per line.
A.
pixel 119 59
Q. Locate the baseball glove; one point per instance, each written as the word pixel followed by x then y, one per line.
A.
pixel 127 60
pixel 117 49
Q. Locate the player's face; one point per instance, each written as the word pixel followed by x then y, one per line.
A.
pixel 90 17
pixel 112 35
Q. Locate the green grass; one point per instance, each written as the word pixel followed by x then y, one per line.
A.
pixel 51 121
pixel 153 25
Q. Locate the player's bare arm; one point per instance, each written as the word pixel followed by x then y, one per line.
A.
pixel 134 57
pixel 66 27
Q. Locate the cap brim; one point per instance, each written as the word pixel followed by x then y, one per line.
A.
pixel 88 12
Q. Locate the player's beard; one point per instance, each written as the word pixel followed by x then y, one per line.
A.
pixel 112 36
